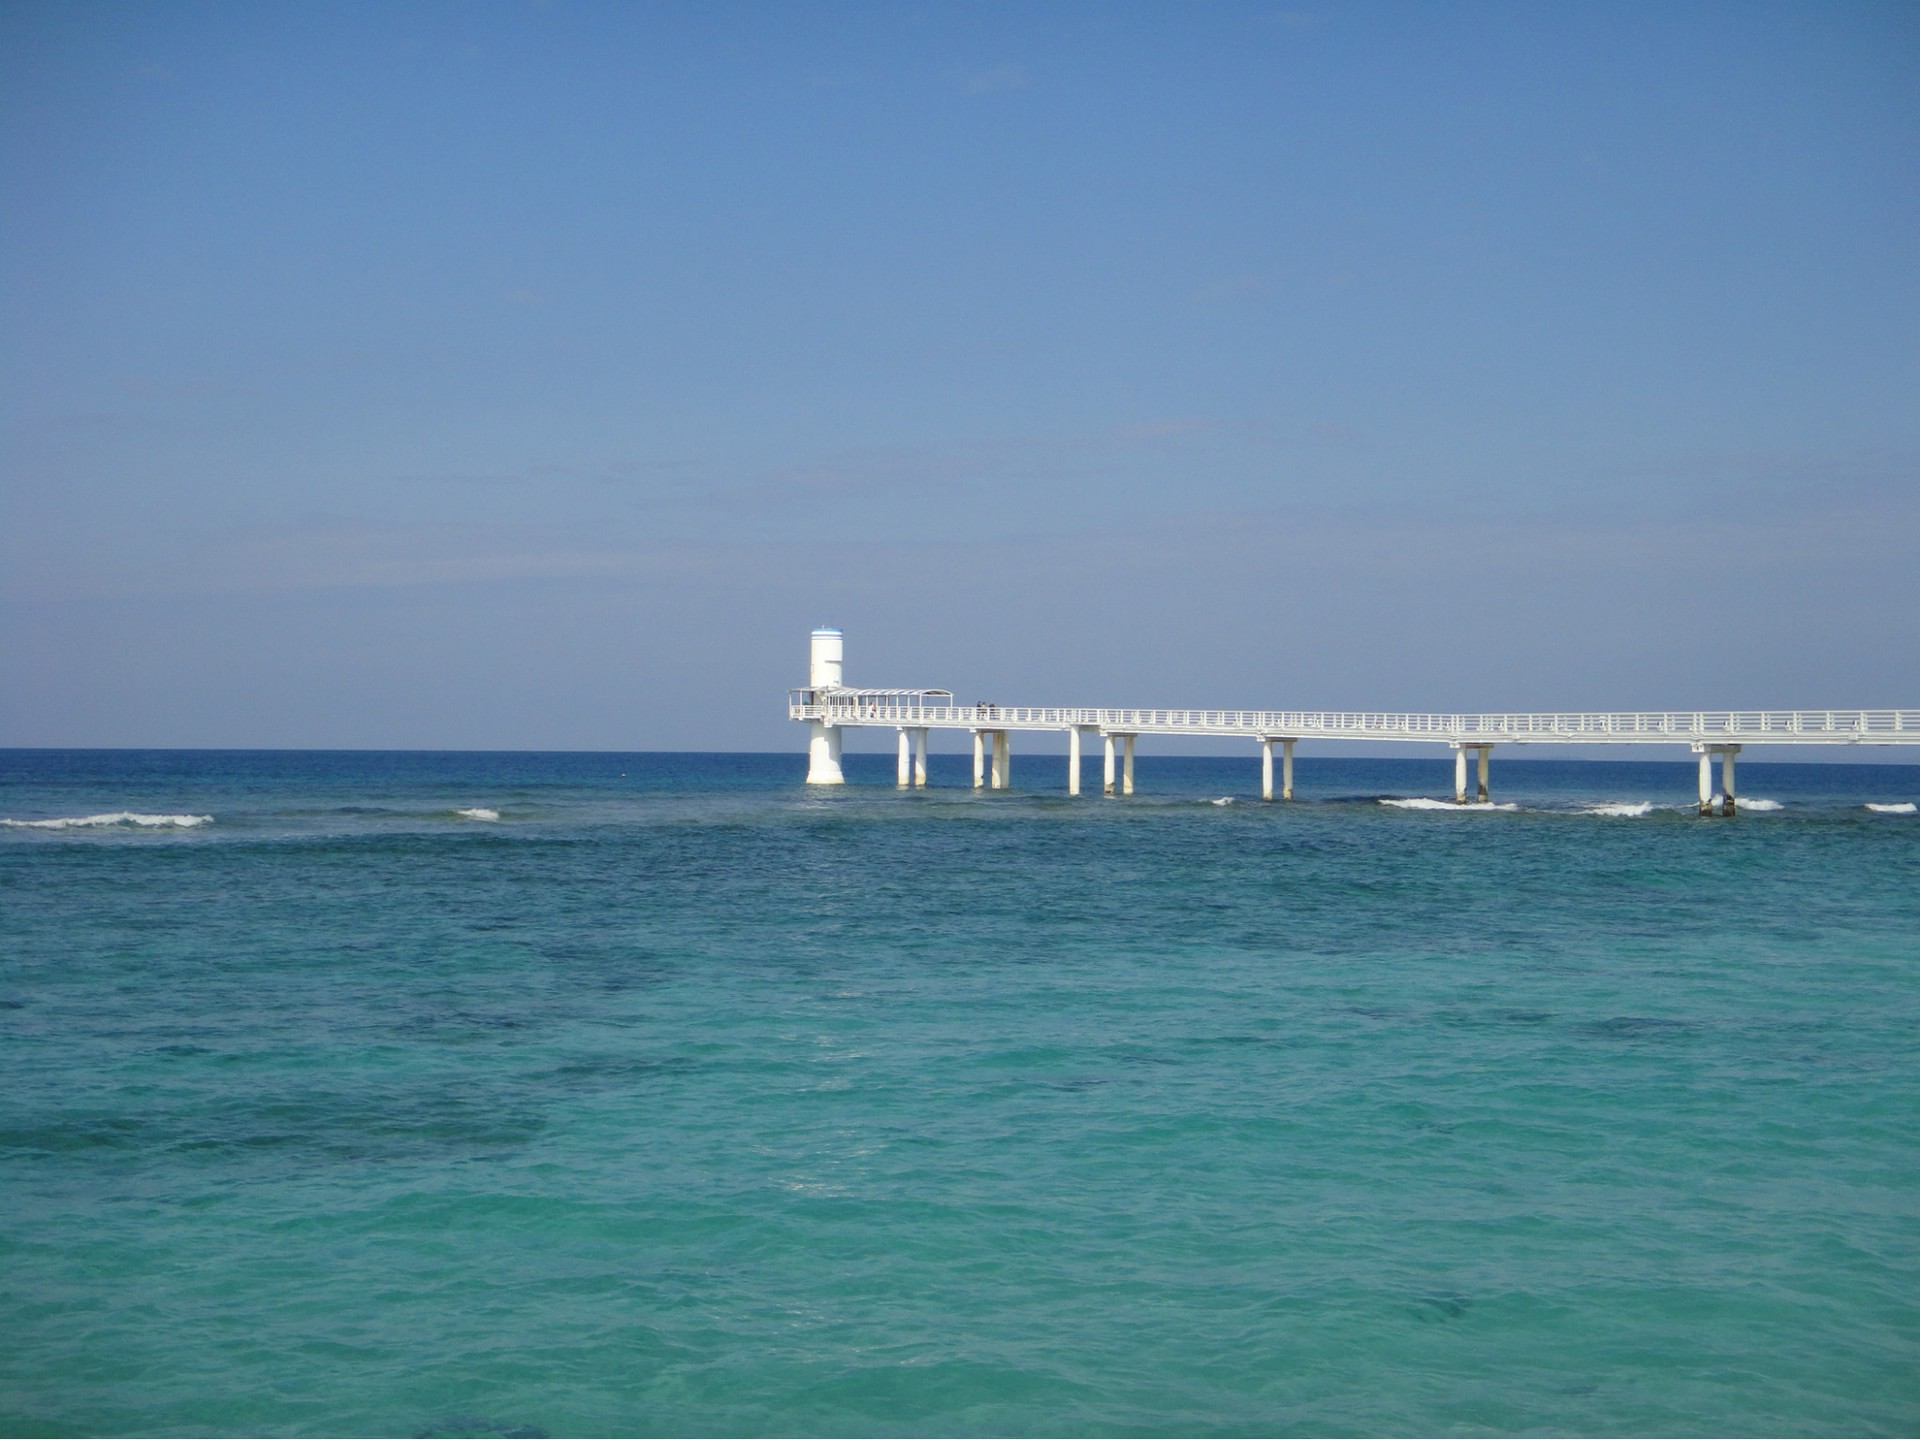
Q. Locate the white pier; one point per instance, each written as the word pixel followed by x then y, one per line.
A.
pixel 829 706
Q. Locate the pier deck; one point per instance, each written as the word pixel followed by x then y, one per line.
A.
pixel 829 707
pixel 1742 727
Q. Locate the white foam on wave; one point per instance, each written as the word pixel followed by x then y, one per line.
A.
pixel 1742 803
pixel 1223 800
pixel 1902 807
pixel 478 812
pixel 1623 809
pixel 118 817
pixel 1422 802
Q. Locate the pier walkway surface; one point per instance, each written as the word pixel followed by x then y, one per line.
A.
pixel 829 706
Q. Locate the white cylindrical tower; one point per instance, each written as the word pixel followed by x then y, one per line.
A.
pixel 825 670
pixel 823 740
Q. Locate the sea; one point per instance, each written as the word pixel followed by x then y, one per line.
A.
pixel 485 1094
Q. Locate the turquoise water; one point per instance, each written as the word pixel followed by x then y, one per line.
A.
pixel 677 1099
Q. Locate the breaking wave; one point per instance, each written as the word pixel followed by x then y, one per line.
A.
pixel 1623 809
pixel 1422 802
pixel 1742 803
pixel 478 812
pixel 118 817
pixel 1902 807
pixel 1223 800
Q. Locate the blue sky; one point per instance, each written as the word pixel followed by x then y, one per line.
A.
pixel 536 375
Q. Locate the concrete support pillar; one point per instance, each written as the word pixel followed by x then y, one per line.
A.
pixel 979 758
pixel 920 757
pixel 1481 752
pixel 1267 742
pixel 903 771
pixel 823 754
pixel 1108 769
pixel 1001 759
pixel 1126 767
pixel 1726 804
pixel 1073 760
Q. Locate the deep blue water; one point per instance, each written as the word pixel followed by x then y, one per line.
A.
pixel 677 1099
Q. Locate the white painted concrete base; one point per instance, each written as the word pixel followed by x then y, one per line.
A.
pixel 823 754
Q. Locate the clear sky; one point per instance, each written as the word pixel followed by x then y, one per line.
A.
pixel 536 375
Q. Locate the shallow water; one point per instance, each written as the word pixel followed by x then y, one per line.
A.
pixel 519 1094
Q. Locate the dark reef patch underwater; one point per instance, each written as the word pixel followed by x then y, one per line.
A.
pixel 461 1094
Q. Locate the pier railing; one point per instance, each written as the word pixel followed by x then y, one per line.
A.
pixel 1744 727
